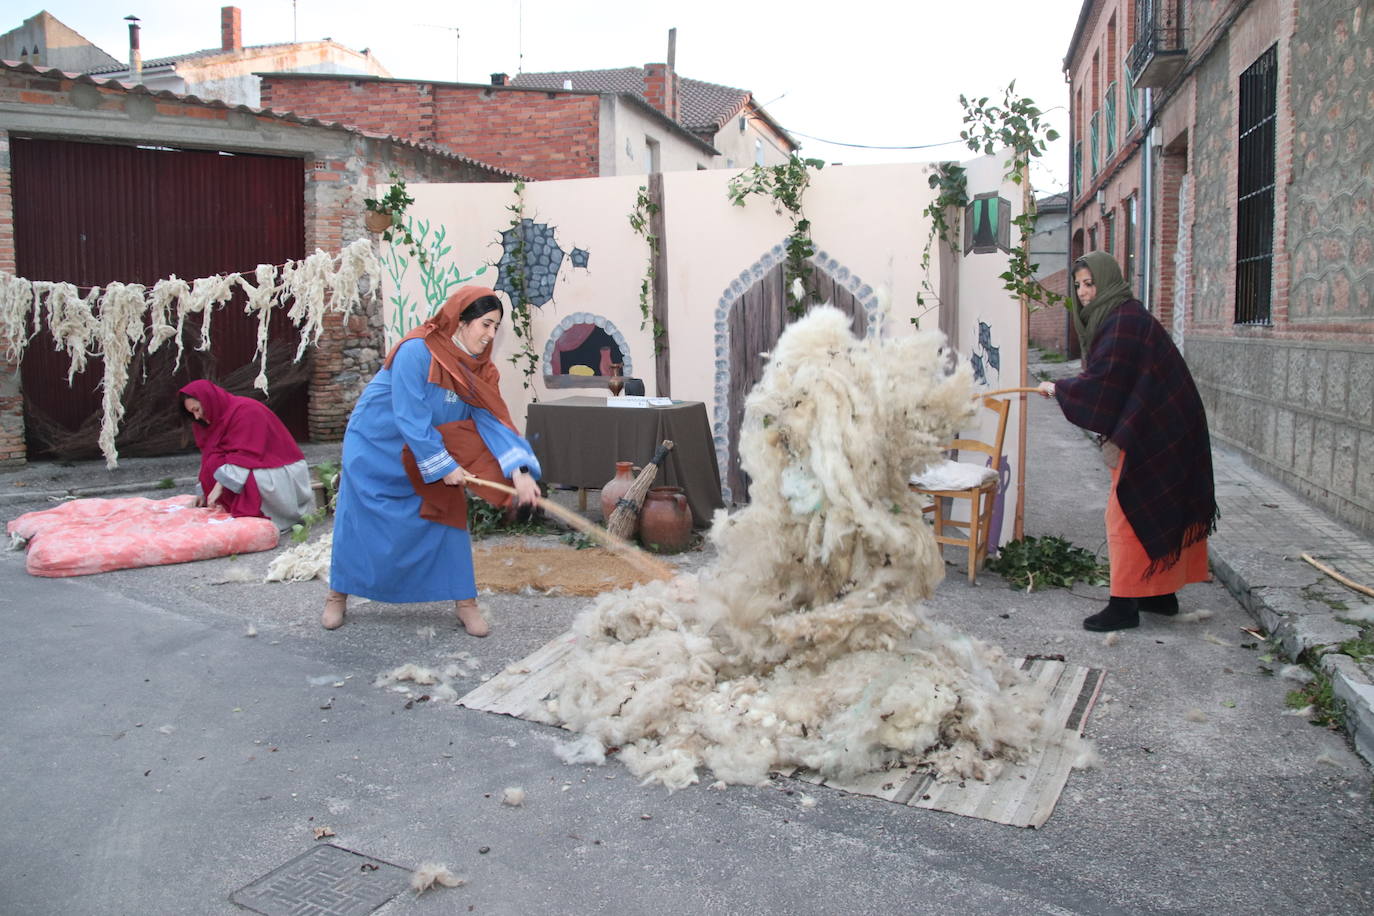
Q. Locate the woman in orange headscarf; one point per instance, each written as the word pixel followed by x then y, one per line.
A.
pixel 432 415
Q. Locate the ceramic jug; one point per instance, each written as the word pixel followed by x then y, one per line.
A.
pixel 616 487
pixel 665 522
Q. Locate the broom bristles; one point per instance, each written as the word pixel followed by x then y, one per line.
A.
pixel 626 515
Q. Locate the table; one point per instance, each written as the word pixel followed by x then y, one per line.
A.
pixel 578 440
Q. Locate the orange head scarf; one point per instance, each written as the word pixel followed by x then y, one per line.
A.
pixel 475 379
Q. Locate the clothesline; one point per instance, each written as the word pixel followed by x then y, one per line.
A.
pixel 113 320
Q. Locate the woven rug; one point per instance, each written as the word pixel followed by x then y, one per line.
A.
pixel 1023 795
pixel 516 566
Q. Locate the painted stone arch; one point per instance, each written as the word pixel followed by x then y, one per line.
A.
pixel 578 340
pixel 750 315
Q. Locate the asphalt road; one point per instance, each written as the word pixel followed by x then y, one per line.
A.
pixel 156 759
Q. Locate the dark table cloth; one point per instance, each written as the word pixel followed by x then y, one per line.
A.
pixel 578 440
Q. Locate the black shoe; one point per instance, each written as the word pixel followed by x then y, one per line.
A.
pixel 1119 614
pixel 1159 604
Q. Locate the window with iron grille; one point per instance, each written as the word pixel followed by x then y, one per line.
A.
pixel 1092 141
pixel 1109 233
pixel 1109 120
pixel 1092 239
pixel 1255 190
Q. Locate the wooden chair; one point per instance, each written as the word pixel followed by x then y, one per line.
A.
pixel 977 483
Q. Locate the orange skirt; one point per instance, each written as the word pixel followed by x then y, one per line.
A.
pixel 1129 560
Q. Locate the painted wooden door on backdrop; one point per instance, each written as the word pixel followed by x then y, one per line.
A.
pixel 91 214
pixel 757 320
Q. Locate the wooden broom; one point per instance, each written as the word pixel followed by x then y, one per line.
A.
pixel 632 554
pixel 622 522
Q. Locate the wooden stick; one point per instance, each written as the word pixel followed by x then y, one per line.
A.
pixel 624 548
pixel 993 394
pixel 1348 583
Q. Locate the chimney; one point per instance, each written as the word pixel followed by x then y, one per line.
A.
pixel 135 55
pixel 661 82
pixel 498 79
pixel 230 28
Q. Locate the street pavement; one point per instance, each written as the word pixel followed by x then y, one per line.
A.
pixel 157 758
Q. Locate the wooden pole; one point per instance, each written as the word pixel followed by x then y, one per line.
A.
pixel 659 314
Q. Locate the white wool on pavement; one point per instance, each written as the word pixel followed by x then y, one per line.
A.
pixel 804 644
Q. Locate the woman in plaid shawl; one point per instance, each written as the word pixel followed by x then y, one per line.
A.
pixel 1136 393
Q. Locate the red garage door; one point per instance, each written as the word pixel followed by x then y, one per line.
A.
pixel 90 214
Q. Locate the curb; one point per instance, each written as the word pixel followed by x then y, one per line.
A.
pixel 1300 626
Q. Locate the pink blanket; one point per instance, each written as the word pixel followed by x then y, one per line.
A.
pixel 87 536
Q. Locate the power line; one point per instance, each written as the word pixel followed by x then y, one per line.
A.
pixel 868 145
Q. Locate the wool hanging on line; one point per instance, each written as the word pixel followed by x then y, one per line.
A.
pixel 804 644
pixel 111 323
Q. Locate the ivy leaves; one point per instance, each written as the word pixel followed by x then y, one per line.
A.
pixel 785 185
pixel 1048 562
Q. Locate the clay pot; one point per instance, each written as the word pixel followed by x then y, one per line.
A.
pixel 377 221
pixel 616 487
pixel 616 381
pixel 665 522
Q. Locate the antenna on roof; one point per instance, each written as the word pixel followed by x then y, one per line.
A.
pixel 454 30
pixel 520 36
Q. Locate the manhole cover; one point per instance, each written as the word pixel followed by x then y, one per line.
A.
pixel 325 881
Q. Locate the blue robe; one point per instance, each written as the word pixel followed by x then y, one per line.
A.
pixel 383 550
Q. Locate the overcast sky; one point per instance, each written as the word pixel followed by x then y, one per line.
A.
pixel 875 73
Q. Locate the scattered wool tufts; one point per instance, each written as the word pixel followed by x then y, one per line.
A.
pixel 1086 756
pixel 302 562
pixel 1304 712
pixel 443 694
pixel 17 542
pixel 513 796
pixel 251 631
pixel 1216 640
pixel 808 802
pixel 1195 715
pixel 167 729
pixel 1111 639
pixel 237 573
pixel 1297 673
pixel 430 874
pixel 1194 616
pixel 426 632
pixel 406 672
pixel 581 750
pixel 1326 758
pixel 803 644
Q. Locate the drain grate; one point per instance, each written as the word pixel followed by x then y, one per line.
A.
pixel 325 881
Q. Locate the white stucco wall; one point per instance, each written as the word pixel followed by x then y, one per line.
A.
pixel 625 130
pixel 869 231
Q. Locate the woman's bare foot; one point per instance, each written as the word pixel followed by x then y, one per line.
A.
pixel 470 616
pixel 334 607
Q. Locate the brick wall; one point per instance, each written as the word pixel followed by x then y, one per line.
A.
pixel 1049 326
pixel 544 135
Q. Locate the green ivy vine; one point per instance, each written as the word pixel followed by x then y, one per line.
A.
pixel 393 204
pixel 640 216
pixel 951 186
pixel 786 184
pixel 521 312
pixel 1014 124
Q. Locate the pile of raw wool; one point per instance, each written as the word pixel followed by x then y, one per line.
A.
pixel 803 646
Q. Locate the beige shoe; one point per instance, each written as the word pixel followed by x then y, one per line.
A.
pixel 470 616
pixel 334 607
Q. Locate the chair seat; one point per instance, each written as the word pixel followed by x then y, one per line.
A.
pixel 954 475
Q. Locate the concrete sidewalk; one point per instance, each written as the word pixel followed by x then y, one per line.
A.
pixel 1257 553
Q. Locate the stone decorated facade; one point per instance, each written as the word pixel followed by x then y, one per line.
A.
pixel 1285 368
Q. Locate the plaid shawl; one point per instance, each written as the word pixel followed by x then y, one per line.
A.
pixel 1136 390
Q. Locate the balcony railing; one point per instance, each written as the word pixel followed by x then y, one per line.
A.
pixel 1159 51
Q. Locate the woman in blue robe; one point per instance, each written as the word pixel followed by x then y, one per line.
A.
pixel 400 527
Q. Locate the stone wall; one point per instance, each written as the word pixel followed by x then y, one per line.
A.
pixel 1331 213
pixel 1213 152
pixel 1303 412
